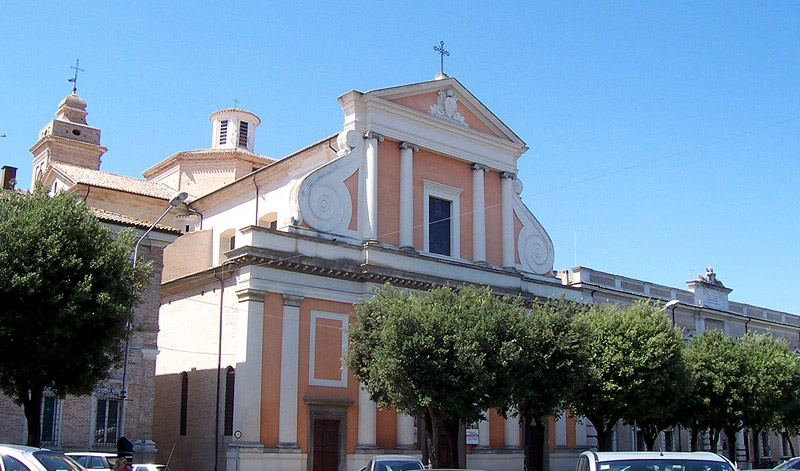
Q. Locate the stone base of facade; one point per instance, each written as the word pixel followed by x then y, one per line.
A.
pixel 565 459
pixel 256 457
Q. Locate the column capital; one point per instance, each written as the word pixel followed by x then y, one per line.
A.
pixel 408 145
pixel 292 300
pixel 508 175
pixel 373 135
pixel 483 168
pixel 250 295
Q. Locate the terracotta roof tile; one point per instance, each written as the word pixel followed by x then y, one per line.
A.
pixel 109 216
pixel 112 181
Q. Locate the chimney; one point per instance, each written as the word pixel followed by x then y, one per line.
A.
pixel 9 177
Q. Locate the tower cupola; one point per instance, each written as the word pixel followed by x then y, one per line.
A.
pixel 233 129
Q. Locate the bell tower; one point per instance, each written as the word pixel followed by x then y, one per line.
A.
pixel 67 139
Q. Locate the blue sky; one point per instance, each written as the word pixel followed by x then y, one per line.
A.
pixel 712 89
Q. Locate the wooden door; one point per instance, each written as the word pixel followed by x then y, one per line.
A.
pixel 326 445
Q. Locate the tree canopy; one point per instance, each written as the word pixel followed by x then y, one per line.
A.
pixel 442 355
pixel 66 287
pixel 635 371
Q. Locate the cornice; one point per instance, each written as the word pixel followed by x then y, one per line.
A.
pixel 66 142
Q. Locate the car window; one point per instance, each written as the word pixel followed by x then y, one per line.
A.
pixel 82 460
pixel 663 464
pixel 12 464
pixel 397 465
pixel 53 461
pixel 98 462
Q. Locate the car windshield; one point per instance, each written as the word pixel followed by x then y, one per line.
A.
pixel 399 465
pixel 53 461
pixel 787 464
pixel 664 464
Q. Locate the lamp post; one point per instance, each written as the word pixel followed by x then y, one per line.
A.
pixel 671 305
pixel 175 200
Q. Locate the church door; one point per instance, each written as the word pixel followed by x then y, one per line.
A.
pixel 326 445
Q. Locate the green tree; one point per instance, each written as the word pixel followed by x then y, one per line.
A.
pixel 548 367
pixel 634 370
pixel 771 373
pixel 66 287
pixel 717 370
pixel 440 355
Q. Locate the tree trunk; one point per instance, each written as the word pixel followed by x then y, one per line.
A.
pixel 693 438
pixel 731 434
pixel 713 437
pixel 442 442
pixel 603 429
pixel 650 435
pixel 431 448
pixel 534 434
pixel 32 406
pixel 450 430
pixel 788 438
pixel 756 448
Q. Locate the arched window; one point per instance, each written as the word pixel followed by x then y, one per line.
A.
pixel 184 402
pixel 269 220
pixel 227 241
pixel 230 377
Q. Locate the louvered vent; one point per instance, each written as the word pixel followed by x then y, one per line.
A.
pixel 243 134
pixel 223 132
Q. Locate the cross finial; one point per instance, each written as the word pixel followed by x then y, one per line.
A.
pixel 74 79
pixel 442 52
pixel 236 103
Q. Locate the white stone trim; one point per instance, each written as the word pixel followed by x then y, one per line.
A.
pixel 449 193
pixel 534 246
pixel 478 214
pixel 344 318
pixel 290 341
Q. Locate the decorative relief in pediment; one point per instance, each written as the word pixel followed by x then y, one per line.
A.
pixel 446 107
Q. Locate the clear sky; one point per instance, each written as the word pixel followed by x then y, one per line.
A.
pixel 710 89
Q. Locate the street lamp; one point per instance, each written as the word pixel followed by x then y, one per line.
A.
pixel 671 305
pixel 175 200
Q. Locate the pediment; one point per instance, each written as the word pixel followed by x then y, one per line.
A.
pixel 450 101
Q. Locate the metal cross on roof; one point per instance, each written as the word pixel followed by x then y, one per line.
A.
pixel 442 52
pixel 236 103
pixel 74 79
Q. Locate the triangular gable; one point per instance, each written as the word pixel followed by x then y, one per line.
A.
pixel 420 97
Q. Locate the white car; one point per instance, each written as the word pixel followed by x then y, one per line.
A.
pixel 393 463
pixel 652 461
pixel 25 458
pixel 148 467
pixel 93 459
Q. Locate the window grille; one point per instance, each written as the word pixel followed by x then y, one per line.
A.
pixel 106 421
pixel 230 378
pixel 243 134
pixel 223 132
pixel 50 420
pixel 184 402
pixel 439 226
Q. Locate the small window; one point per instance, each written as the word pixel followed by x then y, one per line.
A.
pixel 669 441
pixel 230 377
pixel 439 225
pixel 243 134
pixel 184 403
pixel 765 451
pixel 233 242
pixel 106 419
pixel 186 229
pixel 223 132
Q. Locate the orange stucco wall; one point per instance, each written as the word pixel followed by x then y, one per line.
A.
pixel 494 218
pixel 320 392
pixel 448 171
pixel 424 101
pixel 571 431
pixel 271 368
pixel 328 351
pixel 389 195
pixel 386 428
pixel 496 430
pixel 551 424
pixel 352 187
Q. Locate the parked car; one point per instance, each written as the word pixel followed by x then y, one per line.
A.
pixel 652 461
pixel 25 458
pixel 94 460
pixel 791 463
pixel 392 463
pixel 149 467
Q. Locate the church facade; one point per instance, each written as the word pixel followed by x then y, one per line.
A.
pixel 418 189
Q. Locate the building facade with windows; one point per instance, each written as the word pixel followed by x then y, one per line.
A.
pixel 67 157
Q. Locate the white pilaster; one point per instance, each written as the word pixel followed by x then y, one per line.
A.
pixel 483 432
pixel 249 340
pixel 405 431
pixel 507 180
pixel 367 415
pixel 407 194
pixel 581 437
pixel 287 420
pixel 561 431
pixel 478 214
pixel 371 185
pixel 511 429
pixel 699 325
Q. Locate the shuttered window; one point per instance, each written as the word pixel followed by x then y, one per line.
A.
pixel 243 134
pixel 223 132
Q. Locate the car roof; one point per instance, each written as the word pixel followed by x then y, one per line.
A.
pixel 21 448
pixel 90 453
pixel 602 456
pixel 395 457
